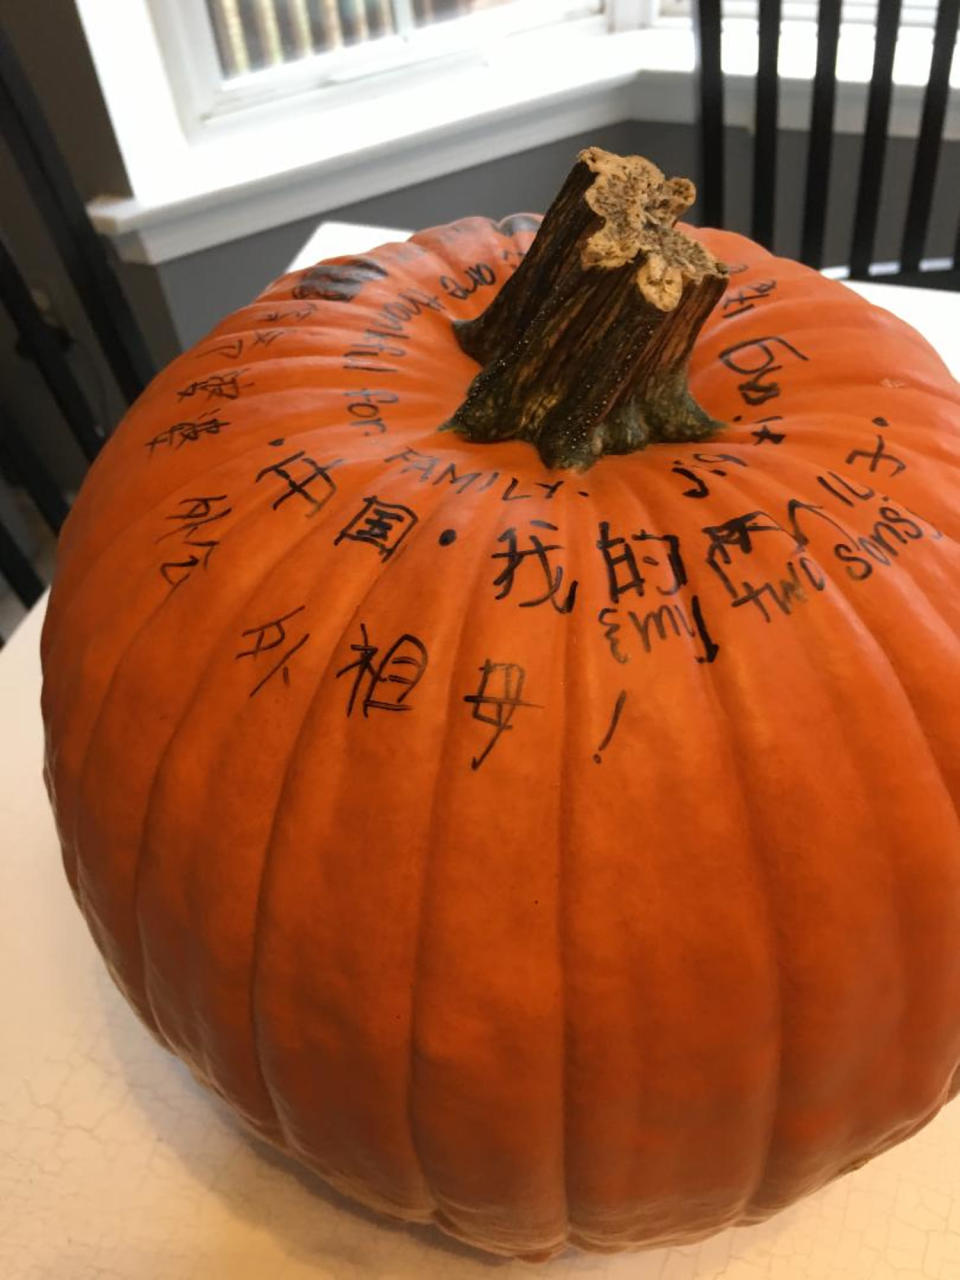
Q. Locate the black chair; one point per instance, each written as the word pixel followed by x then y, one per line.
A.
pixel 707 20
pixel 83 257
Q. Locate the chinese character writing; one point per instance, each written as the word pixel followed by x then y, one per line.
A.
pixel 704 462
pixel 218 386
pixel 623 571
pixel 297 313
pixel 382 525
pixel 191 526
pixel 538 555
pixel 877 455
pixel 496 701
pixel 181 433
pixel 272 635
pixel 737 534
pixel 390 681
pixel 298 482
pixel 232 348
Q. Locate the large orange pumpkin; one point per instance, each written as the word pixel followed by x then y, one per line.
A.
pixel 560 855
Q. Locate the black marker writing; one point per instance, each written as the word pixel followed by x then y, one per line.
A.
pixel 298 473
pixel 382 525
pixel 537 554
pixel 389 682
pixel 268 636
pixel 497 700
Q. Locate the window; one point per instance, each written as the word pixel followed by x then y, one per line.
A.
pixel 253 34
pixel 226 55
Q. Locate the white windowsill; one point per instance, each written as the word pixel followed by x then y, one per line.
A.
pixel 260 169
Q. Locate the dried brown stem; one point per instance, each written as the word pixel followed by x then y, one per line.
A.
pixel 585 349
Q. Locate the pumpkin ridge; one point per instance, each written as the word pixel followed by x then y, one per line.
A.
pixel 718 692
pixel 431 826
pixel 846 602
pixel 716 688
pixel 142 1005
pixel 255 511
pixel 215 653
pixel 612 489
pixel 262 890
pixel 427 523
pixel 563 892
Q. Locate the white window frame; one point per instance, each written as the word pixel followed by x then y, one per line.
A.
pixel 205 99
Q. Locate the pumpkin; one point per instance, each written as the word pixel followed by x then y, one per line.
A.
pixel 536 833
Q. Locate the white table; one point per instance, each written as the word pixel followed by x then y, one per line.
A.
pixel 115 1165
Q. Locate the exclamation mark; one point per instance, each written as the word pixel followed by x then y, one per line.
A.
pixel 618 707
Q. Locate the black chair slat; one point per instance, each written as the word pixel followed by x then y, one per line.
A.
pixel 765 128
pixel 874 139
pixel 18 571
pixel 36 479
pixel 709 72
pixel 820 150
pixel 931 130
pixel 41 344
pixel 81 250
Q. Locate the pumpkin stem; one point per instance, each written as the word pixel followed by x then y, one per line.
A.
pixel 586 347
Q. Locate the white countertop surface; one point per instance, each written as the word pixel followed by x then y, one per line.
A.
pixel 115 1165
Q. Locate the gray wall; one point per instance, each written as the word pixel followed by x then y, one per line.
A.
pixel 203 287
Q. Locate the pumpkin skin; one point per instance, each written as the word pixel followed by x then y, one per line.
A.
pixel 609 925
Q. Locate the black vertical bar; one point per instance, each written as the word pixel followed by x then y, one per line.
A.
pixel 289 49
pixel 28 469
pixel 765 122
pixel 927 153
pixel 41 344
pixel 350 11
pixel 874 139
pixel 821 134
pixel 709 73
pixel 322 36
pixel 18 571
pixel 376 19
pixel 252 35
pixel 81 250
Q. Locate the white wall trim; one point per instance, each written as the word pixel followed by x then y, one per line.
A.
pixel 161 232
